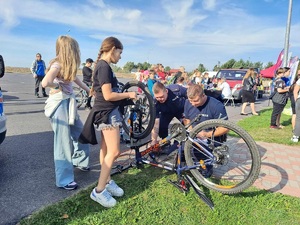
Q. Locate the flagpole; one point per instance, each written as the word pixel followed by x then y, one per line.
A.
pixel 287 35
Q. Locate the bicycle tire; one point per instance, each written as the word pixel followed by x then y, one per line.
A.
pixel 147 127
pixel 231 178
pixel 78 96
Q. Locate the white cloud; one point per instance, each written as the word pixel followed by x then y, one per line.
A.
pixel 190 30
pixel 209 4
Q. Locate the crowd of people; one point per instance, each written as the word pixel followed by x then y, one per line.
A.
pixel 176 95
pixel 285 90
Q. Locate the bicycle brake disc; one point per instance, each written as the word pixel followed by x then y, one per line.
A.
pixel 179 131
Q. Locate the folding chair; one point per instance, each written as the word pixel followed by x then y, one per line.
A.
pixel 230 98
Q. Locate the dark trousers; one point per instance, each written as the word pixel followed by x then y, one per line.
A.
pixel 38 81
pixel 164 122
pixel 89 84
pixel 277 110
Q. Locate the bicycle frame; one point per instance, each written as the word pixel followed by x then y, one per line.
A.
pixel 177 164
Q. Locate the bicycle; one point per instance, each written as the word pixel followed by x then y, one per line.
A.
pixel 82 96
pixel 234 157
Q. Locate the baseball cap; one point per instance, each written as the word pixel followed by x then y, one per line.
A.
pixel 89 60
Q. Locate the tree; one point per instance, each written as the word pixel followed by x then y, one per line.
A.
pixel 167 69
pixel 201 68
pixel 128 66
pixel 146 65
pixel 239 64
pixel 269 64
pixel 228 64
pixel 116 68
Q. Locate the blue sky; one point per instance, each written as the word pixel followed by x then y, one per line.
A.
pixel 172 32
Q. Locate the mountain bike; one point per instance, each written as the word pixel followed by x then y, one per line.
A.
pixel 142 122
pixel 228 164
pixel 82 96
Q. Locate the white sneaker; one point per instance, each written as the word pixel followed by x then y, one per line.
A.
pixel 114 189
pixel 295 138
pixel 104 198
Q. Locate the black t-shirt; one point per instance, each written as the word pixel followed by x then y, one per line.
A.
pixel 104 75
pixel 87 75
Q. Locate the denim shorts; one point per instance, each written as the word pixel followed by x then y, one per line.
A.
pixel 114 120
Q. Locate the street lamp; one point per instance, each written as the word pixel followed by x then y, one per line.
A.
pixel 287 35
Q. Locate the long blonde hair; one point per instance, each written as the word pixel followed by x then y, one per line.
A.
pixel 68 57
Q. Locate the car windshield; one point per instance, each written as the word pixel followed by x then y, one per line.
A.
pixel 232 74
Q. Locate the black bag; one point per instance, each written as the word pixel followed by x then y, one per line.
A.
pixel 280 98
pixel 272 94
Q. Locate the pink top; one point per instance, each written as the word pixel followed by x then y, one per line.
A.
pixel 67 86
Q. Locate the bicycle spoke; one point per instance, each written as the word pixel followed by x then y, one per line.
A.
pixel 235 163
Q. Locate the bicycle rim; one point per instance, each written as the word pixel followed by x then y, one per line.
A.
pixel 235 163
pixel 78 96
pixel 146 105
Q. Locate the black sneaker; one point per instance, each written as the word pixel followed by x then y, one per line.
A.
pixel 71 186
pixel 45 95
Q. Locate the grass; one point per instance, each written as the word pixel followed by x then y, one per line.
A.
pixel 258 128
pixel 150 199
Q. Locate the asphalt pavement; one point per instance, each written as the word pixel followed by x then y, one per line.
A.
pixel 27 181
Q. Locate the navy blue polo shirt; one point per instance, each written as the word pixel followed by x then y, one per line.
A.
pixel 212 108
pixel 178 90
pixel 173 106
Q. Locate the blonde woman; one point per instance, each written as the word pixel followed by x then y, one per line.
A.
pixel 106 118
pixel 247 92
pixel 62 111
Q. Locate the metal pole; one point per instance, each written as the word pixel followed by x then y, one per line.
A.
pixel 287 35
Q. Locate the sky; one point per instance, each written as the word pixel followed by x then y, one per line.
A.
pixel 172 32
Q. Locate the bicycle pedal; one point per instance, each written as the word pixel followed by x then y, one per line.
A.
pixel 183 187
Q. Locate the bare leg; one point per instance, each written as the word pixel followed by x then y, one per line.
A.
pixel 293 121
pixel 243 107
pixel 253 108
pixel 111 140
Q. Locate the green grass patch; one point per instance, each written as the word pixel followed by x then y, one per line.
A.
pixel 150 199
pixel 259 128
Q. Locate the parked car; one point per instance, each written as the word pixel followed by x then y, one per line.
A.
pixel 234 77
pixel 2 115
pixel 2 120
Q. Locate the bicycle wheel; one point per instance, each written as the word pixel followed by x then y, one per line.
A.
pixel 78 96
pixel 144 108
pixel 235 159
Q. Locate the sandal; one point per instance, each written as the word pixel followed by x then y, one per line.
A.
pixel 244 114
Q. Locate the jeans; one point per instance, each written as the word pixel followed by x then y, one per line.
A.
pixel 67 150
